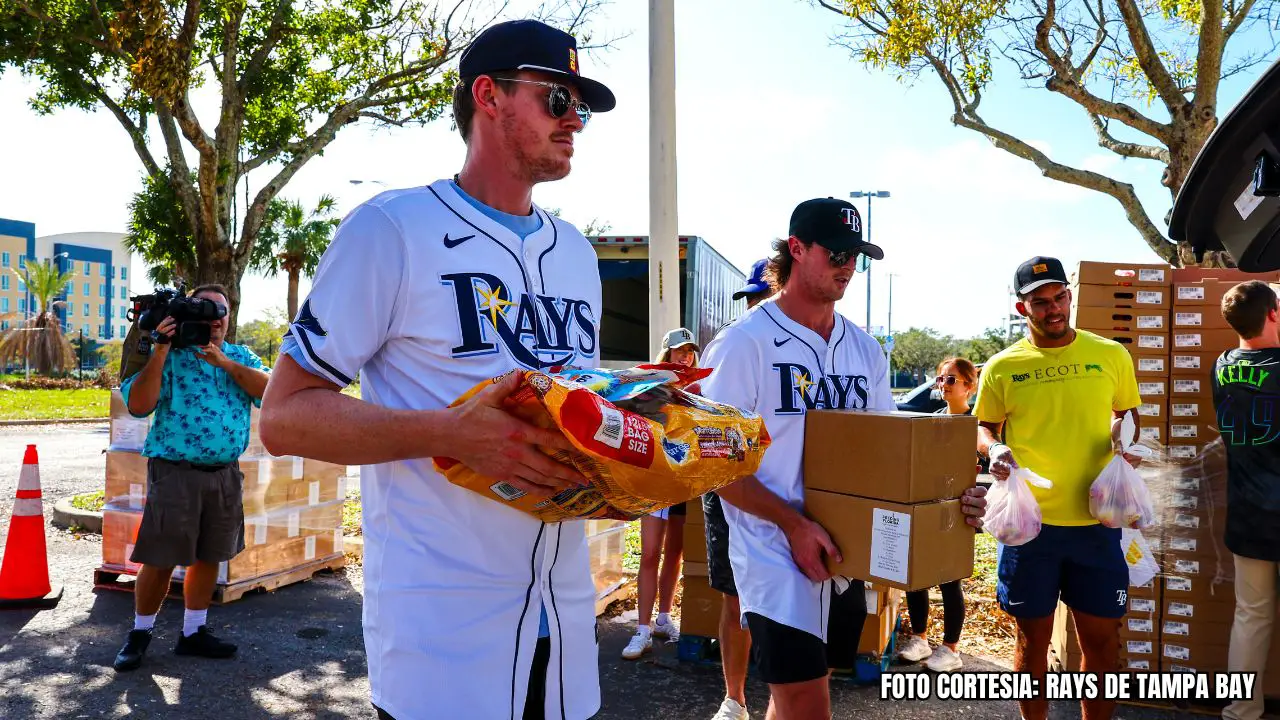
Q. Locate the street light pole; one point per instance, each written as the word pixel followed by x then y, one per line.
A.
pixel 664 236
pixel 869 194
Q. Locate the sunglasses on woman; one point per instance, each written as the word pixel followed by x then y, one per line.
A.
pixel 945 380
pixel 560 100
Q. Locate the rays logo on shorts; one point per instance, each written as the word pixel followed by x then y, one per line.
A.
pixel 538 332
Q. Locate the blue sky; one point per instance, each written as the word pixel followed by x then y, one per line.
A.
pixel 770 113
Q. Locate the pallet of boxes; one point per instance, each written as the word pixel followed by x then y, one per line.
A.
pixel 1181 620
pixel 700 608
pixel 292 510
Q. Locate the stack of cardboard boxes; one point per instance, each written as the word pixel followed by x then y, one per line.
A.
pixel 1130 304
pixel 292 506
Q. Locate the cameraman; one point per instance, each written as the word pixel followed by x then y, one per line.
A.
pixel 194 513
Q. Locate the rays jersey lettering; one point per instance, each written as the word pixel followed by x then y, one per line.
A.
pixel 802 390
pixel 537 331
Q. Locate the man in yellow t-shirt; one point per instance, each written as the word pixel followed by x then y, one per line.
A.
pixel 1057 398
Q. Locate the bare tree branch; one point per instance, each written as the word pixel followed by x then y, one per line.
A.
pixel 1065 82
pixel 1133 150
pixel 178 166
pixel 1237 19
pixel 1149 58
pixel 137 131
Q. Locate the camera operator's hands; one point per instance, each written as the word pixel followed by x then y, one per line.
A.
pixel 165 331
pixel 213 355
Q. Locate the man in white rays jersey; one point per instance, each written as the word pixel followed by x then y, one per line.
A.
pixel 790 354
pixel 472 609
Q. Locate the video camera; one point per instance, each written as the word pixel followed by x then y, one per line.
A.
pixel 192 314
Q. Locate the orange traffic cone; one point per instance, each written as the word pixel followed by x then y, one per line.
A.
pixel 24 573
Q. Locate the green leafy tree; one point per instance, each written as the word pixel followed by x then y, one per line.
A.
pixel 292 242
pixel 980 349
pixel 263 335
pixel 920 350
pixel 1141 76
pixel 284 77
pixel 159 232
pixel 38 340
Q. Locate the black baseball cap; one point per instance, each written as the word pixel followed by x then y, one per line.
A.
pixel 533 45
pixel 1036 272
pixel 833 224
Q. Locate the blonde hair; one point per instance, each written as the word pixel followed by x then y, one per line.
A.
pixel 966 371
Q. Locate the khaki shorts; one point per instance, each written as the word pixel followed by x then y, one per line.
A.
pixel 192 513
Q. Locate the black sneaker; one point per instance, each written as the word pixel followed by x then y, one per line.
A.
pixel 130 656
pixel 204 644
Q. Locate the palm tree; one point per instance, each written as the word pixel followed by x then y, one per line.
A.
pixel 39 340
pixel 293 241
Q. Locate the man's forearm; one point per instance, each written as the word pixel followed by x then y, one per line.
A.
pixel 353 432
pixel 251 380
pixel 144 393
pixel 986 438
pixel 750 495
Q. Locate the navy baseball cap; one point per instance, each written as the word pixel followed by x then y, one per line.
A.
pixel 533 45
pixel 1036 272
pixel 755 284
pixel 833 224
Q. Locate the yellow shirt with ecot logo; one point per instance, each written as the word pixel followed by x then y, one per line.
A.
pixel 1057 405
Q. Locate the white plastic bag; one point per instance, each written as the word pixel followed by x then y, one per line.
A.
pixel 1013 515
pixel 1119 497
pixel 1137 554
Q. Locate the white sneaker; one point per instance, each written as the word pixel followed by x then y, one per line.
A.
pixel 944 659
pixel 731 710
pixel 640 644
pixel 666 630
pixel 916 649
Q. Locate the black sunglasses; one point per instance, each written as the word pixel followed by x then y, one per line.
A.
pixel 560 100
pixel 840 259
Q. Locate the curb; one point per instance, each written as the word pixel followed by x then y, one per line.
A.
pixel 63 421
pixel 66 516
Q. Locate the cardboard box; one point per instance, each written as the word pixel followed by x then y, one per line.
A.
pixel 1199 432
pixel 1154 410
pixel 1181 543
pixel 693 512
pixel 1141 649
pixel 1192 589
pixel 1207 293
pixel 1199 274
pixel 909 547
pixel 700 608
pixel 1100 319
pixel 695 543
pixel 1203 612
pixel 1192 364
pixel 128 433
pixel 901 457
pixel 280 556
pixel 1214 341
pixel 126 479
pixel 1156 432
pixel 883 608
pixel 694 569
pixel 1111 296
pixel 1140 342
pixel 1205 657
pixel 1182 630
pixel 289 523
pixel 1199 318
pixel 1185 386
pixel 607 551
pixel 1150 590
pixel 1139 628
pixel 1153 387
pixel 1102 273
pixel 119 535
pixel 1143 607
pixel 1191 409
pixel 1151 366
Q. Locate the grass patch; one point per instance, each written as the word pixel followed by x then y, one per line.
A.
pixel 89 502
pixel 984 564
pixel 351 512
pixel 631 548
pixel 54 404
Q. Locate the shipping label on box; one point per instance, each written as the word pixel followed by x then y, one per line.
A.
pixel 1150 432
pixel 1103 273
pixel 1181 409
pixel 1152 387
pixel 1151 342
pixel 1154 410
pixel 1151 364
pixel 1142 605
pixel 1190 386
pixel 1105 319
pixel 1140 647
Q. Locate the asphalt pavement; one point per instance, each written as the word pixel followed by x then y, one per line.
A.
pixel 302 652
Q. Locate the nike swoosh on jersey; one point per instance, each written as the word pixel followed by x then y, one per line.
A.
pixel 780 343
pixel 455 242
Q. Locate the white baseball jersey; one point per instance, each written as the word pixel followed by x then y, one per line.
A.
pixel 774 366
pixel 425 297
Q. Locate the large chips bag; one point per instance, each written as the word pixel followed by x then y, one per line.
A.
pixel 641 440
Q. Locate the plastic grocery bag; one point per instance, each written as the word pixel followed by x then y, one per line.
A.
pixel 1013 515
pixel 640 438
pixel 1137 553
pixel 1119 497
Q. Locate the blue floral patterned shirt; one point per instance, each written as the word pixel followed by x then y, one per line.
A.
pixel 202 415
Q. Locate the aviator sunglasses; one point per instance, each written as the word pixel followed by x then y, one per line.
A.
pixel 559 100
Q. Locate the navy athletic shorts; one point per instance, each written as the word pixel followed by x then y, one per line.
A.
pixel 1083 564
